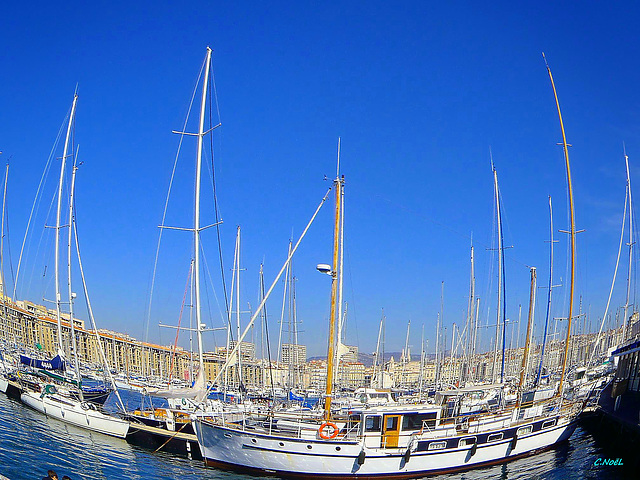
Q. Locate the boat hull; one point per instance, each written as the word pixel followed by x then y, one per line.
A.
pixel 161 439
pixel 236 450
pixel 75 413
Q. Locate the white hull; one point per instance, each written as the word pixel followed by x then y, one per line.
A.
pixel 4 384
pixel 75 413
pixel 270 454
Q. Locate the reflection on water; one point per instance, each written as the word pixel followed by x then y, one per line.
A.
pixel 31 443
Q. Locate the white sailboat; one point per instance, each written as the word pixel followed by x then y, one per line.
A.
pixel 54 400
pixel 169 429
pixel 386 441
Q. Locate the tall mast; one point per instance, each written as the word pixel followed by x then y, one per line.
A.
pixel 58 215
pixel 470 316
pixel 626 305
pixel 377 357
pixel 475 332
pixel 284 301
pixel 4 203
pixel 572 232
pixel 339 184
pixel 406 355
pixel 421 377
pixel 525 357
pixel 196 218
pixel 439 321
pixel 340 351
pixel 501 283
pixel 70 291
pixel 237 289
pixel 550 288
pixel 341 252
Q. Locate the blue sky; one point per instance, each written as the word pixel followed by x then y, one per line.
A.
pixel 418 93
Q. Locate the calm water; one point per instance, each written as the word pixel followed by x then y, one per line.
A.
pixel 31 443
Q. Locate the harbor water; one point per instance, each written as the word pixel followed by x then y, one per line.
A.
pixel 31 443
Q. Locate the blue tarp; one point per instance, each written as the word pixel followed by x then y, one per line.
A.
pixel 56 363
pixel 307 402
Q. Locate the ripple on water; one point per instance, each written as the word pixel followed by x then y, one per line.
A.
pixel 31 443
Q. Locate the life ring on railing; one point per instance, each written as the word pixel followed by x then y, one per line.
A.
pixel 323 435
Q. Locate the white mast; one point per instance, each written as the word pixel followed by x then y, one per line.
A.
pixel 495 351
pixel 284 302
pixel 377 356
pixel 421 377
pixel 340 276
pixel 2 282
pixel 475 334
pixel 70 291
pixel 237 262
pixel 470 317
pixel 58 214
pixel 437 378
pixel 406 355
pixel 196 226
pixel 626 305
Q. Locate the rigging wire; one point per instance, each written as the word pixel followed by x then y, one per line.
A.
pixel 36 201
pixel 166 204
pixel 212 86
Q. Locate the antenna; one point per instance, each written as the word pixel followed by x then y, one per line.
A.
pixel 338 167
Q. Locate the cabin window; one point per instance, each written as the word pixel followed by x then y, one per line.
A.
pixel 415 421
pixel 392 423
pixel 373 424
pixel 437 445
pixel 466 441
pixel 494 437
pixel 549 423
pixel 524 430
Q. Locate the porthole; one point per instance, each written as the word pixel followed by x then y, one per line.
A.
pixel 253 440
pixel 338 449
pixel 281 444
pixel 309 447
pixel 549 423
pixel 524 430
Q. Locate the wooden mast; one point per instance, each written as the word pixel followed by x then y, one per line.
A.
pixel 572 232
pixel 338 183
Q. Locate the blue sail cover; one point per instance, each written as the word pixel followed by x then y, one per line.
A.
pixel 56 363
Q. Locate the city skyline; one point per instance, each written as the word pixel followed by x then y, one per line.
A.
pixel 419 104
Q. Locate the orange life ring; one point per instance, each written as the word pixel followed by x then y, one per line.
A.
pixel 322 428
